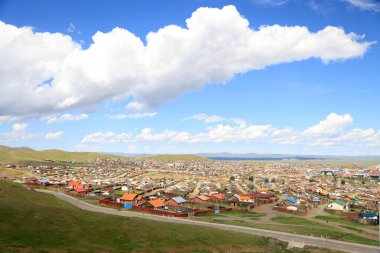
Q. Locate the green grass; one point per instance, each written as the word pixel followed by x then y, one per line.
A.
pixel 352 228
pixel 333 218
pixel 36 222
pixel 294 221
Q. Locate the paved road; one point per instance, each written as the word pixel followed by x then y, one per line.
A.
pixel 293 238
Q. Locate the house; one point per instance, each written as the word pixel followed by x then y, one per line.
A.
pixel 176 201
pixel 200 199
pixel 369 216
pixel 129 198
pixel 245 198
pixel 79 190
pixel 108 191
pixel 217 197
pixel 31 180
pixel 43 182
pixel 289 201
pixel 156 204
pixel 73 184
pixel 337 205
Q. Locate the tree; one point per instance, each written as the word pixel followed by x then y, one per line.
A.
pixel 250 178
pixel 266 180
pixel 273 180
pixel 232 178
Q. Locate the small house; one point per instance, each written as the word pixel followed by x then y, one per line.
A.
pixel 176 201
pixel 200 199
pixel 337 205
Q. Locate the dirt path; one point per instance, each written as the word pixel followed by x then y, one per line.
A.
pixel 196 190
pixel 120 176
pixel 238 186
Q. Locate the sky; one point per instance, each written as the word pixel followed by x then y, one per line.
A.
pixel 196 76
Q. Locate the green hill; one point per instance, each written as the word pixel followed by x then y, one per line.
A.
pixel 11 155
pixel 36 222
pixel 172 158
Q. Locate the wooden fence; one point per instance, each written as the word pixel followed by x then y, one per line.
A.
pixel 284 210
pixel 143 209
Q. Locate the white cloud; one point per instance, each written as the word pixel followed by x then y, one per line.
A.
pixel 71 28
pixel 271 2
pixel 372 5
pixel 19 133
pixel 147 135
pixel 53 135
pixel 204 117
pixel 53 74
pixel 51 119
pixel 333 124
pixel 328 132
pixel 133 115
pixel 108 137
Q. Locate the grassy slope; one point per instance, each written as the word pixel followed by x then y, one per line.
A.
pixel 10 155
pixel 12 172
pixel 184 157
pixel 37 222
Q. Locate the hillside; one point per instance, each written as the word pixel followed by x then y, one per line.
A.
pixel 36 222
pixel 11 155
pixel 172 158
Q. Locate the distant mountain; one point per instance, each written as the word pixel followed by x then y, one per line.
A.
pixel 286 157
pixel 12 155
pixel 169 157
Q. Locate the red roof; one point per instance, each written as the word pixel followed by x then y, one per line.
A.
pixel 80 189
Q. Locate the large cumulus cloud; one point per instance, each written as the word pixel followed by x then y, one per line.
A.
pixel 44 73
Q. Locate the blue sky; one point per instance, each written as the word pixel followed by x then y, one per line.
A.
pixel 302 77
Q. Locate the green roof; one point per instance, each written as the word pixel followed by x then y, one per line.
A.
pixel 338 202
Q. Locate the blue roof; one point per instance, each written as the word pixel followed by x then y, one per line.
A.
pixel 179 200
pixel 290 199
pixel 43 180
pixel 368 214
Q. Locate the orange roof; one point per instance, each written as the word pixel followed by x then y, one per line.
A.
pixel 219 196
pixel 128 196
pixel 74 183
pixel 204 198
pixel 156 202
pixel 244 197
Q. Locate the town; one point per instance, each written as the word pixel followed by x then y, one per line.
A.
pixel 191 188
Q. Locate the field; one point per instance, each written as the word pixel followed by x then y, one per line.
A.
pixel 37 222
